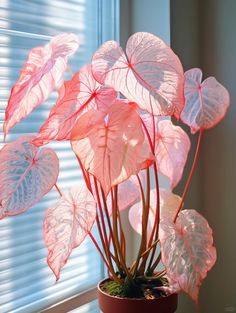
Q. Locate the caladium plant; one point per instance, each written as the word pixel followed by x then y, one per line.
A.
pixel 112 112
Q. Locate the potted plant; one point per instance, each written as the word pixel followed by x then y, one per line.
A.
pixel 112 112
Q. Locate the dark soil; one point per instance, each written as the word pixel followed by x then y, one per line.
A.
pixel 138 288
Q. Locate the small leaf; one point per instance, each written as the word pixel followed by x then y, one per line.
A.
pixel 42 71
pixel 169 204
pixel 67 224
pixel 206 102
pixel 76 97
pixel 110 148
pixel 172 146
pixel 26 175
pixel 151 75
pixel 187 250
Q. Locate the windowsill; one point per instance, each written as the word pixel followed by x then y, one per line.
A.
pixel 73 302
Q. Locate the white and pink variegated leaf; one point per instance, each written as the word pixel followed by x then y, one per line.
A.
pixel 206 102
pixel 172 146
pixel 41 73
pixel 151 75
pixel 150 125
pixel 67 224
pixel 76 97
pixel 26 175
pixel 169 204
pixel 171 150
pixel 187 250
pixel 110 148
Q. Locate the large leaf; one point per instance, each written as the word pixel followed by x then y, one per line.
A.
pixel 110 148
pixel 206 102
pixel 42 71
pixel 169 204
pixel 26 175
pixel 151 75
pixel 187 250
pixel 171 150
pixel 172 146
pixel 76 97
pixel 67 224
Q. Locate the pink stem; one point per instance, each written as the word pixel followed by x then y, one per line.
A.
pixel 190 174
pixel 59 191
pixel 154 132
pixel 99 250
pixel 141 189
pixel 157 214
pixel 101 213
pixel 136 264
pixel 148 137
pixel 155 229
pixel 156 183
pixel 85 175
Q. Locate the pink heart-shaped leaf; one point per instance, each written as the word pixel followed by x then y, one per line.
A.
pixel 42 71
pixel 187 250
pixel 67 224
pixel 171 150
pixel 76 96
pixel 151 75
pixel 172 146
pixel 150 123
pixel 206 102
pixel 169 204
pixel 110 148
pixel 26 175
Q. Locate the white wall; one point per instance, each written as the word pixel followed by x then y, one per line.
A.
pixel 149 16
pixel 203 33
pixel 219 155
pixel 185 36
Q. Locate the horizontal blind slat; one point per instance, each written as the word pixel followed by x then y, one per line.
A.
pixel 25 284
pixel 48 296
pixel 38 259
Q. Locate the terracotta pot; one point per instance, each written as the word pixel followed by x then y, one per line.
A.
pixel 110 304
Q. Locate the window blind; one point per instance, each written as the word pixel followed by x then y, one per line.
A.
pixel 26 283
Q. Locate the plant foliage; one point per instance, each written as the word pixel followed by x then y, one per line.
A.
pixel 112 112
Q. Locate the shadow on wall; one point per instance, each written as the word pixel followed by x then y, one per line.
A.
pixel 202 34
